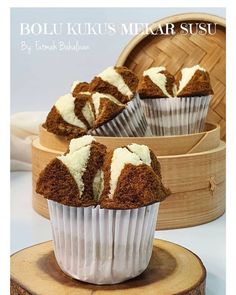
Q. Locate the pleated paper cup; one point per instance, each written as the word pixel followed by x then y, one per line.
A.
pixel 177 115
pixel 130 122
pixel 102 246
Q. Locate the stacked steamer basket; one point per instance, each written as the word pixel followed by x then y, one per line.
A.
pixel 193 165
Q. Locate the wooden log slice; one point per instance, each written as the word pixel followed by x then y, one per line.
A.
pixel 172 270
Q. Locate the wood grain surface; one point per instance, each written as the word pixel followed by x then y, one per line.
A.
pixel 172 270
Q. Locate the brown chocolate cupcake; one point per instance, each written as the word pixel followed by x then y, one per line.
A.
pixel 175 108
pixel 130 179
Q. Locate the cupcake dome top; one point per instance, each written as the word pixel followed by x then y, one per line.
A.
pixel 194 81
pixel 157 82
pixel 132 178
pixel 127 177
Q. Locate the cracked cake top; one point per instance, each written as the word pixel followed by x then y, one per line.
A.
pixel 124 178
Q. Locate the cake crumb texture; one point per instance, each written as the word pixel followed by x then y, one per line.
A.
pixel 56 124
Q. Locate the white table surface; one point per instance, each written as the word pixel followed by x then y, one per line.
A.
pixel 207 241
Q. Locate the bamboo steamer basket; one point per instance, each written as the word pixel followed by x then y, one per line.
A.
pixel 196 179
pixel 177 51
pixel 193 165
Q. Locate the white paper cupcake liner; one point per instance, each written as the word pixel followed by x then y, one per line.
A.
pixel 102 246
pixel 176 116
pixel 130 122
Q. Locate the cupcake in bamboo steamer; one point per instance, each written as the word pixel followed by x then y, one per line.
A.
pixel 193 165
pixel 108 106
pixel 175 106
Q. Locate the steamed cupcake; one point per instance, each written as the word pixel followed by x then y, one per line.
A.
pixel 118 108
pixel 175 107
pixel 103 227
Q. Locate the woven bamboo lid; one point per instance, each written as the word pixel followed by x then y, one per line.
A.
pixel 177 51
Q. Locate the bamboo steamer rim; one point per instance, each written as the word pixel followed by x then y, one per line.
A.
pixel 172 19
pixel 160 145
pixel 222 146
pixel 139 55
pixel 212 130
pixel 211 125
